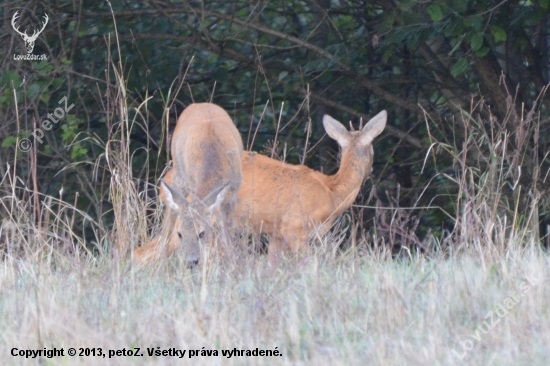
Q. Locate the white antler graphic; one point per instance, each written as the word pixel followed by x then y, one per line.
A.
pixel 29 40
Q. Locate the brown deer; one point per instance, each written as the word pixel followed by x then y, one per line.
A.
pixel 292 203
pixel 206 152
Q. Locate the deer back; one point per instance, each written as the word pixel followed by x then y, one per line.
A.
pixel 206 150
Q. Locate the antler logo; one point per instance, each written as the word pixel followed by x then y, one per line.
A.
pixel 29 40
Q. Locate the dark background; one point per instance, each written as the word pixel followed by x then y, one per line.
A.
pixel 453 76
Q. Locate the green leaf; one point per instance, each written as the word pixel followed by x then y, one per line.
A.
pixel 435 11
pixel 460 66
pixel 325 77
pixel 406 5
pixel 476 41
pixel 57 82
pixel 9 141
pixel 499 33
pixel 475 22
pixel 9 76
pixel 78 151
pixel 44 66
pixel 45 98
pixel 282 75
pixel 387 54
pixel 482 51
pixel 33 90
pixel 455 43
pixel 387 22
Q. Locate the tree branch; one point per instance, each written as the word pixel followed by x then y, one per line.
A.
pixel 347 69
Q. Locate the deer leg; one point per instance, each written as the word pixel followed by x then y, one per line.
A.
pixel 296 238
pixel 276 248
pixel 147 251
pixel 228 224
pixel 165 243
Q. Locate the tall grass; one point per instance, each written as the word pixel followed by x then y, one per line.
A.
pixel 356 305
pixel 323 310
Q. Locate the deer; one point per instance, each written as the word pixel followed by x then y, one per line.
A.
pixel 201 191
pixel 294 203
pixel 29 40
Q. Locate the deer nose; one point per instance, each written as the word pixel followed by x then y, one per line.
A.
pixel 192 263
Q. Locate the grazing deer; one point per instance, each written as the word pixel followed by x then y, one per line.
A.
pixel 206 152
pixel 292 203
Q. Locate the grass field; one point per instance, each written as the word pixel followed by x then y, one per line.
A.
pixel 477 294
pixel 324 309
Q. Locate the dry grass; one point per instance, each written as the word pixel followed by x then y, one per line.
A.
pixel 319 310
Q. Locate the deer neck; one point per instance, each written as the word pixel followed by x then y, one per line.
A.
pixel 346 183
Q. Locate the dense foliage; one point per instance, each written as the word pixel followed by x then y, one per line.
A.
pixel 456 78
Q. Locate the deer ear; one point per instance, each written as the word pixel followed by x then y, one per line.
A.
pixel 374 128
pixel 336 130
pixel 219 198
pixel 167 181
pixel 174 199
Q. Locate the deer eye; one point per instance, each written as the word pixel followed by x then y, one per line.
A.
pixel 179 235
pixel 201 235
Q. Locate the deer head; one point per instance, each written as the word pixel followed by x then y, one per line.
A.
pixel 193 219
pixel 29 40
